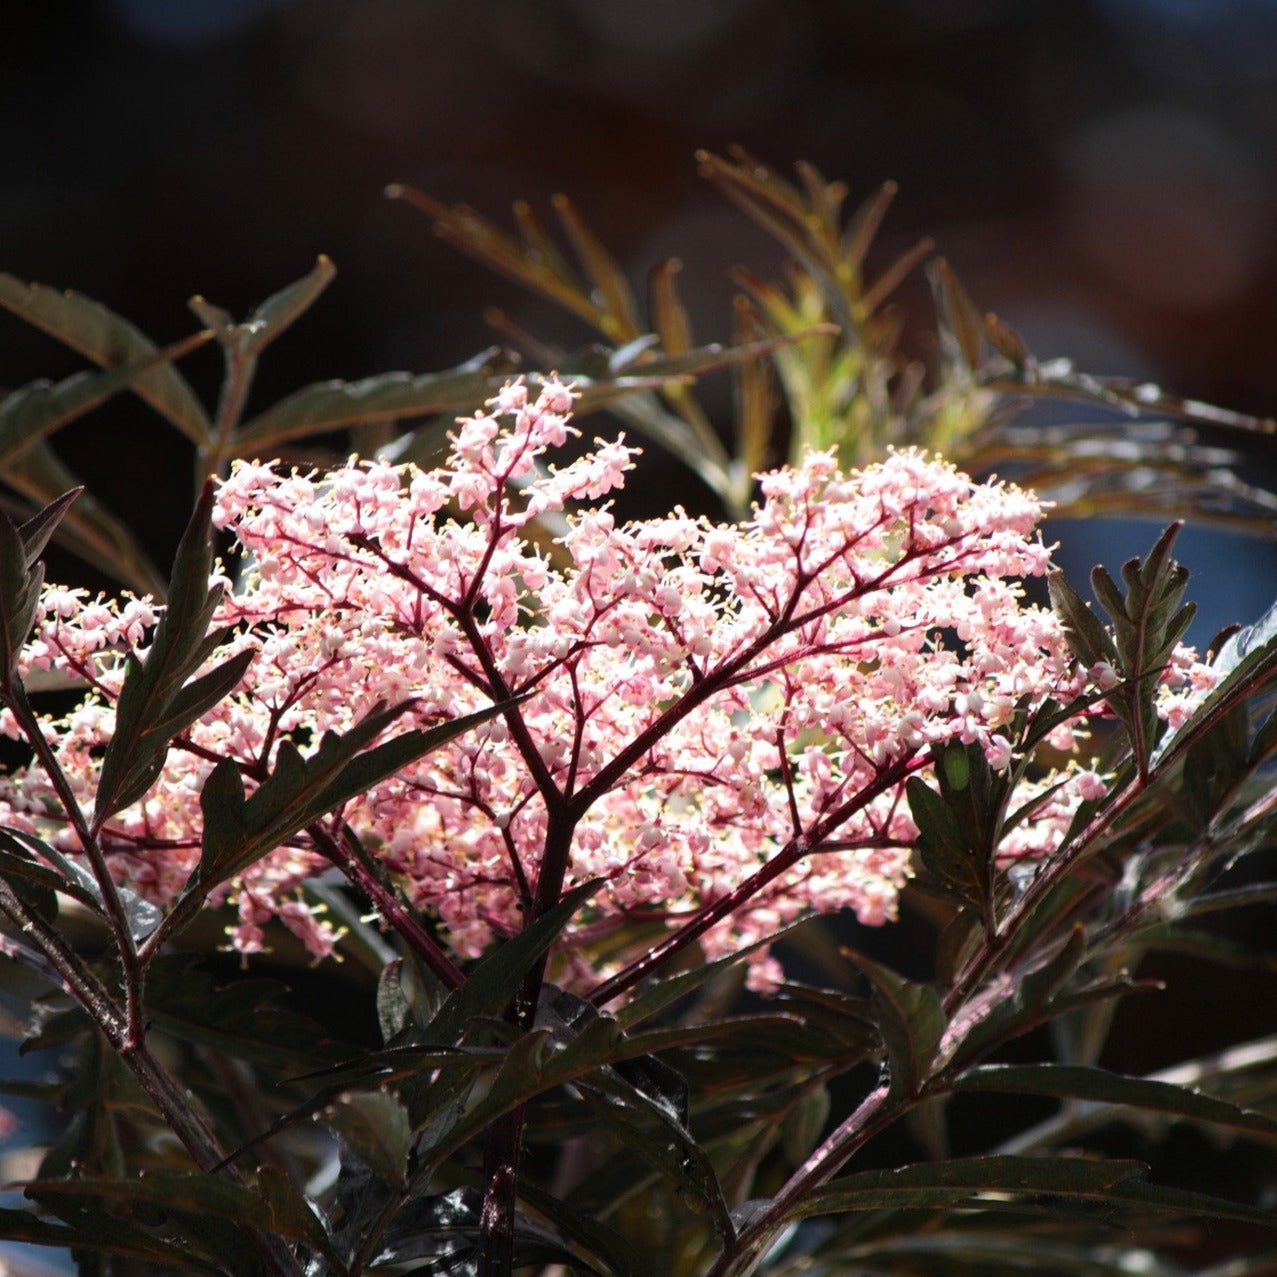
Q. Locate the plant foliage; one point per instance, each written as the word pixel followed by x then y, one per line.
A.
pixel 499 1113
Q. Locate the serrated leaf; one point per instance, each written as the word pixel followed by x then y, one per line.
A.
pixel 334 405
pixel 183 1193
pixel 943 847
pixel 74 880
pixel 492 983
pixel 239 831
pixel 614 1253
pixel 662 992
pixel 19 599
pixel 444 1232
pixel 805 1123
pixel 21 577
pixel 393 1010
pixel 1247 664
pixel 145 721
pixel 37 530
pixel 290 1211
pixel 225 827
pixel 1089 640
pixel 108 340
pixel 1027 1006
pixel 1147 622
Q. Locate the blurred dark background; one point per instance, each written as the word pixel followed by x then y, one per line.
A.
pixel 1099 172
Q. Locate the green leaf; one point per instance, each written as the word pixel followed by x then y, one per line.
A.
pixel 911 1020
pixel 333 405
pixel 1100 1086
pixel 108 340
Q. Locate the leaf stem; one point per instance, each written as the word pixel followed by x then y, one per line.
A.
pixel 348 860
pixel 874 1113
pixel 783 860
pixel 173 1103
pixel 116 917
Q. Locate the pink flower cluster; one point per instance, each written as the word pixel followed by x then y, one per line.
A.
pixel 698 698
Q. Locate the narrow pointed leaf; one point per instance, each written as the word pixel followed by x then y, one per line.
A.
pixel 280 311
pixel 951 1183
pixel 38 529
pixel 493 982
pixel 911 1020
pixel 107 1236
pixel 107 339
pixel 19 599
pixel 392 396
pixel 88 529
pixel 959 315
pixel 375 1124
pixel 611 290
pixel 136 751
pixel 40 409
pixel 1089 640
pixel 1103 1087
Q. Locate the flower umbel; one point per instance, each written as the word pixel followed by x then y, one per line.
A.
pixel 716 718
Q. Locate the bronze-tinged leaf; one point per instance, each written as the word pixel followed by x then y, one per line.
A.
pixel 957 313
pixel 1006 341
pixel 911 1020
pixel 108 340
pixel 88 529
pixel 669 318
pixel 392 396
pixel 611 290
pixel 39 409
